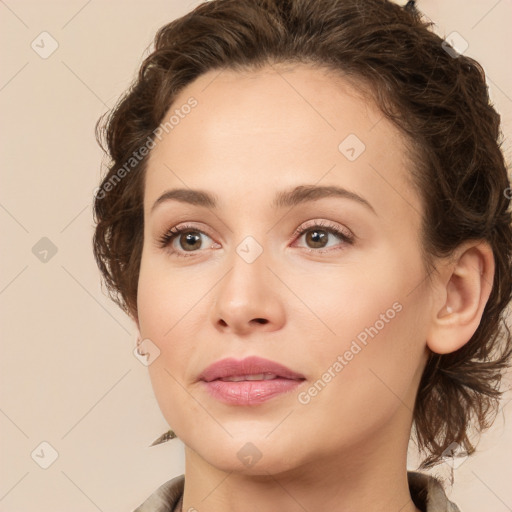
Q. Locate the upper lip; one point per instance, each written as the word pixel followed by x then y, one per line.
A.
pixel 253 365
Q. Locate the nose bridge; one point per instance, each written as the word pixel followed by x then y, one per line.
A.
pixel 248 275
pixel 247 295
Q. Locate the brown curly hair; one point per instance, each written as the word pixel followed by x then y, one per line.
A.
pixel 438 99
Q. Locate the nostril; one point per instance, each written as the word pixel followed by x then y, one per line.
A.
pixel 261 320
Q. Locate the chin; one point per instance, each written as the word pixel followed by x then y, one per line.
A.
pixel 247 454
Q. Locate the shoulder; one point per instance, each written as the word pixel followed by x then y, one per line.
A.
pixel 428 493
pixel 165 498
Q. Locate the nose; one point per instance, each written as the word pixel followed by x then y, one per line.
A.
pixel 248 298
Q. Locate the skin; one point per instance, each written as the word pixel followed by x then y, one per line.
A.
pixel 253 134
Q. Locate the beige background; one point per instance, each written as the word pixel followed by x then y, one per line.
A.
pixel 68 374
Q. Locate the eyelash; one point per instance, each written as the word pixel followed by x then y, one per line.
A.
pixel 169 236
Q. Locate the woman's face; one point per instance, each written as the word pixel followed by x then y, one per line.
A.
pixel 261 271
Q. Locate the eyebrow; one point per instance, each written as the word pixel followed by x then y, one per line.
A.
pixel 284 199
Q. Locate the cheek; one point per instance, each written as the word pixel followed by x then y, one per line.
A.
pixel 376 346
pixel 167 296
pixel 355 397
pixel 171 305
pixel 165 315
pixel 371 368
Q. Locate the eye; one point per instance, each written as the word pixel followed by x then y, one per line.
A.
pixel 317 235
pixel 186 237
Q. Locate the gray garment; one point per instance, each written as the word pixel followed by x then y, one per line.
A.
pixel 426 491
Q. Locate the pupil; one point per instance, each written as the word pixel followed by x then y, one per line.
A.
pixel 190 237
pixel 318 237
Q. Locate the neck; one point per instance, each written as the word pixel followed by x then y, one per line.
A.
pixel 370 476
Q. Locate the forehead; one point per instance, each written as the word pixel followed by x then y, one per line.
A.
pixel 255 132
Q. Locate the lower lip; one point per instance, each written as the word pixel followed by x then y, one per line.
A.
pixel 250 392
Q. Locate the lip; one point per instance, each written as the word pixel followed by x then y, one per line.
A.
pixel 248 392
pixel 252 365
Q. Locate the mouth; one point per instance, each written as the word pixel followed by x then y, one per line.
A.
pixel 259 376
pixel 250 368
pixel 250 381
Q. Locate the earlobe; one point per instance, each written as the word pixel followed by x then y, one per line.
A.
pixel 137 325
pixel 467 283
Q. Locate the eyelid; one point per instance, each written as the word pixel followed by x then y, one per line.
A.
pixel 327 225
pixel 169 235
pixel 340 231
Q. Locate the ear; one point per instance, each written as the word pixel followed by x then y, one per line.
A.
pixel 137 325
pixel 465 287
